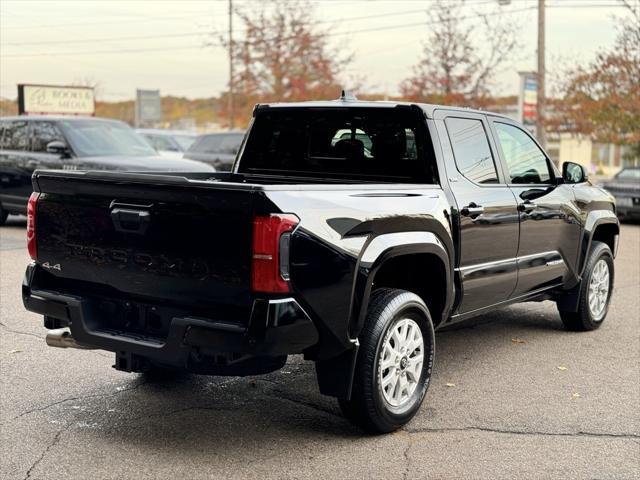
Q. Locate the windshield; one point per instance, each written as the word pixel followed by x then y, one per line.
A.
pixel 629 174
pixel 185 141
pixel 96 138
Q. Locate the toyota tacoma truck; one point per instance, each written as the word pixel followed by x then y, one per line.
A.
pixel 347 231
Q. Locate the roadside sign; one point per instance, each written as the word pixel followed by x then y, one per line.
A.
pixel 52 99
pixel 148 107
pixel 528 99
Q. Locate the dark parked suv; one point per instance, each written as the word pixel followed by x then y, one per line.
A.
pixel 347 231
pixel 71 143
pixel 625 187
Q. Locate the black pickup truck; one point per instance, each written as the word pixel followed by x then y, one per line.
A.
pixel 347 231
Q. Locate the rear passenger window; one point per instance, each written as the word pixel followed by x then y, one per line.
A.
pixel 16 136
pixel 471 150
pixel 43 133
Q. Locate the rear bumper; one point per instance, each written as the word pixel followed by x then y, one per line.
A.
pixel 276 328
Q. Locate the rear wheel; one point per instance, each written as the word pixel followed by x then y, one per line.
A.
pixel 394 362
pixel 595 291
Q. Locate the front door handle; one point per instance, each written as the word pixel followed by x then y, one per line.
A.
pixel 472 210
pixel 527 206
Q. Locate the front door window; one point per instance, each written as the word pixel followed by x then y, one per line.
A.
pixel 526 163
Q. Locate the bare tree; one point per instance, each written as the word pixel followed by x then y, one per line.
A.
pixel 91 82
pixel 284 55
pixel 460 59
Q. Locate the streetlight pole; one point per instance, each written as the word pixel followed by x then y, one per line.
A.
pixel 540 131
pixel 230 99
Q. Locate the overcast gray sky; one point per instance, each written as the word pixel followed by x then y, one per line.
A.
pixel 61 42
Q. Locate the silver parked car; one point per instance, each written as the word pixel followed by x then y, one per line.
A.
pixel 168 143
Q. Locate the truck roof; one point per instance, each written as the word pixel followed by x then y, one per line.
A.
pixel 428 108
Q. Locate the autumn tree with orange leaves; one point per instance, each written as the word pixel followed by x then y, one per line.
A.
pixel 459 58
pixel 602 99
pixel 283 56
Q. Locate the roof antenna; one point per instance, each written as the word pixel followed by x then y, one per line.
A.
pixel 347 96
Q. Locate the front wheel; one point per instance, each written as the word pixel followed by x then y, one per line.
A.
pixel 595 291
pixel 394 363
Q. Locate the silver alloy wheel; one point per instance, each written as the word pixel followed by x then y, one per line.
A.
pixel 599 290
pixel 400 362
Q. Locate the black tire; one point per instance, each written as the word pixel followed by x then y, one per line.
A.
pixel 3 215
pixel 368 407
pixel 583 319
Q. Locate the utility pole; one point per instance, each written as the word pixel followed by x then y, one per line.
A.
pixel 540 131
pixel 230 99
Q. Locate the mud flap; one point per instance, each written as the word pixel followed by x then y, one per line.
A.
pixel 335 375
pixel 568 301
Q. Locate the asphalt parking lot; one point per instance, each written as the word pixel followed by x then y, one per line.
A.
pixel 513 396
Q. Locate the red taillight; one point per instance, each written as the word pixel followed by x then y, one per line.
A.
pixel 270 261
pixel 31 225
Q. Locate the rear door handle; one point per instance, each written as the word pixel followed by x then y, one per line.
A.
pixel 527 206
pixel 472 210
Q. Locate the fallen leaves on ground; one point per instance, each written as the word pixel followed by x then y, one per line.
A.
pixel 562 367
pixel 450 384
pixel 518 340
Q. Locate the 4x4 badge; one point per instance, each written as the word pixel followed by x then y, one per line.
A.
pixel 52 267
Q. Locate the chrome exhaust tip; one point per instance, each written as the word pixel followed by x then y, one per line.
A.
pixel 62 338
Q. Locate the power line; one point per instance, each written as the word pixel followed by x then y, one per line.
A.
pixel 106 39
pixel 586 5
pixel 65 54
pixel 204 14
pixel 109 22
pixel 329 34
pixel 177 35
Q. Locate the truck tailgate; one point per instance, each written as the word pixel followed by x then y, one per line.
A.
pixel 151 238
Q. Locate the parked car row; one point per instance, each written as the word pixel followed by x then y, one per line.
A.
pixel 72 143
pixel 216 149
pixel 28 143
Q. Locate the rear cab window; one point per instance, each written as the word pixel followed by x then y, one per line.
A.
pixel 351 143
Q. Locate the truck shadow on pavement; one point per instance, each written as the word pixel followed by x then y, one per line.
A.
pixel 218 414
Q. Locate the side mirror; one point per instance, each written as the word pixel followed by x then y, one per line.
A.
pixel 574 173
pixel 58 147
